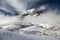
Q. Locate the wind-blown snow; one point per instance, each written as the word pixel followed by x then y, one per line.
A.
pixel 46 26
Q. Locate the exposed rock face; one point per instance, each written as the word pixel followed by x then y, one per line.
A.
pixel 36 11
pixel 31 12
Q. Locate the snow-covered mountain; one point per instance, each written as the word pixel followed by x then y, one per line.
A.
pixel 29 27
pixel 29 20
pixel 29 23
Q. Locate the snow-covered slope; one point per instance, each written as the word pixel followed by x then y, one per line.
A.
pixel 6 35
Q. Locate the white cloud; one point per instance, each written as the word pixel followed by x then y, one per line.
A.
pixel 19 5
pixel 8 20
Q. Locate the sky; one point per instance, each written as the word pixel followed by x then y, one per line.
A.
pixel 48 3
pixel 23 5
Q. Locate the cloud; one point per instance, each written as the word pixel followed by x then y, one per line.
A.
pixel 8 21
pixel 19 6
pixel 49 17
